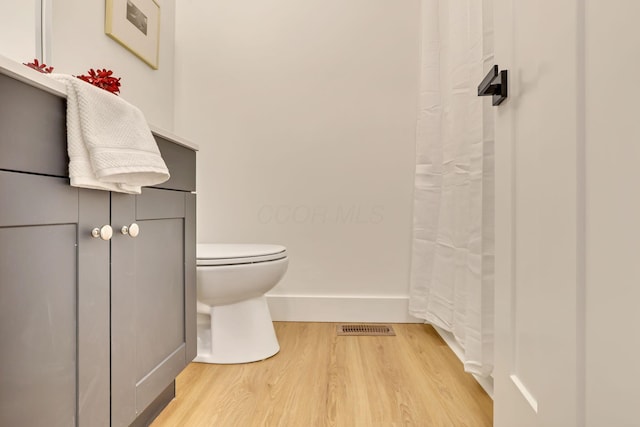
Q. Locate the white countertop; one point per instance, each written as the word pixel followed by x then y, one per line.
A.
pixel 41 81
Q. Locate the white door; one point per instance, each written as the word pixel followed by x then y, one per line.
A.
pixel 612 226
pixel 568 214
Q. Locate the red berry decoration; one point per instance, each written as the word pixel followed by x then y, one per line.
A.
pixel 39 67
pixel 102 79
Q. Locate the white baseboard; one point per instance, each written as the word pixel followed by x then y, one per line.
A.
pixel 340 308
pixel 485 383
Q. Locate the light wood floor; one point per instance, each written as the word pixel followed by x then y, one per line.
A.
pixel 319 379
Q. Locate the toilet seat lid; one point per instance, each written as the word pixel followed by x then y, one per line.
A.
pixel 237 253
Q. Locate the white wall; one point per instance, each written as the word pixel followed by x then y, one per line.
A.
pixel 79 43
pixel 18 29
pixel 305 114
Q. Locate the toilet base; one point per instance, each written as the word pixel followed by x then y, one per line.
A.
pixel 237 333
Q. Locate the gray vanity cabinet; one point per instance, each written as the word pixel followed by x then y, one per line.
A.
pixel 116 319
pixel 92 332
pixel 54 303
pixel 152 287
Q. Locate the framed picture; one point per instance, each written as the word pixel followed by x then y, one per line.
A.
pixel 135 24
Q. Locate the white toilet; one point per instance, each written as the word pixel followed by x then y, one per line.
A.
pixel 234 323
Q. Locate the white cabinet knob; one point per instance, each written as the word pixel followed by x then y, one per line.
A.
pixel 133 230
pixel 105 232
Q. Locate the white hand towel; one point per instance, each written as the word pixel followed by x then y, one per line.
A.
pixel 109 142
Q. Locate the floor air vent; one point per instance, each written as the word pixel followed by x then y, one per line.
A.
pixel 366 329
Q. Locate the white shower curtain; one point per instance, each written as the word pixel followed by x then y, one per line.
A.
pixel 452 260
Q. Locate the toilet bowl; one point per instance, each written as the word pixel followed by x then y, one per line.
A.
pixel 234 323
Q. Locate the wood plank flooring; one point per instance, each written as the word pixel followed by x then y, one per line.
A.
pixel 319 379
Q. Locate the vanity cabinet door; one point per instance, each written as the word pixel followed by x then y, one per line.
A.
pixel 152 297
pixel 54 303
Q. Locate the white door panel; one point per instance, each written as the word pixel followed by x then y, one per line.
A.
pixel 568 214
pixel 612 327
pixel 537 218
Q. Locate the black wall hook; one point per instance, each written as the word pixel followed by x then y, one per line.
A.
pixel 494 84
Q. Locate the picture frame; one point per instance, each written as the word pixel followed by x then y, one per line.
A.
pixel 135 24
